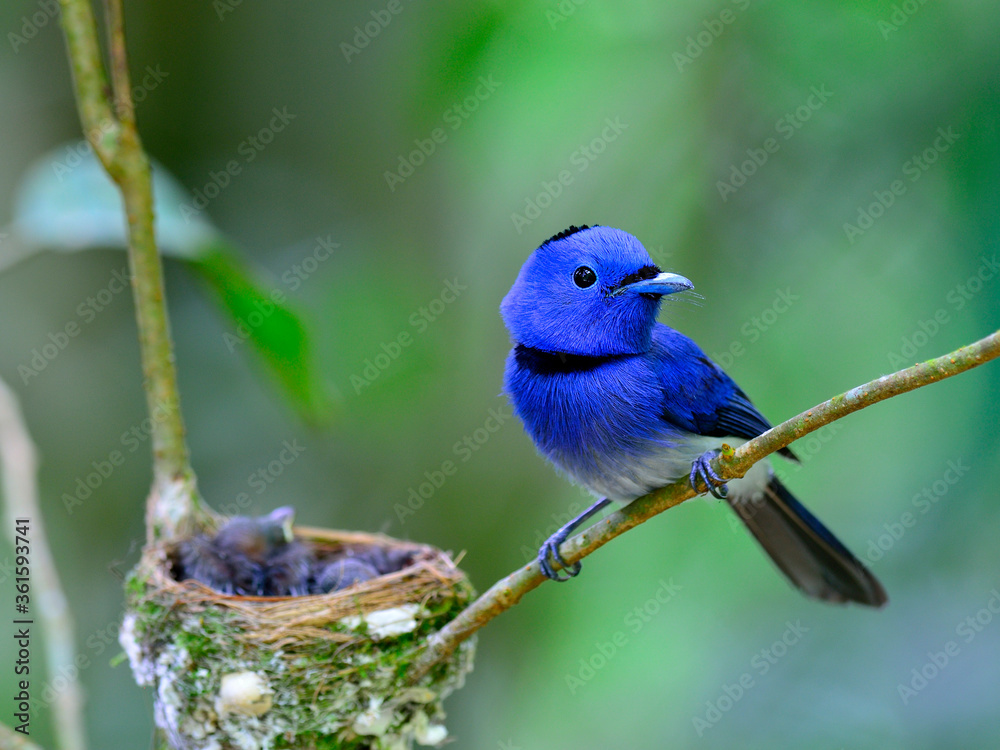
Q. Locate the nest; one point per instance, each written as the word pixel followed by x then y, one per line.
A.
pixel 309 672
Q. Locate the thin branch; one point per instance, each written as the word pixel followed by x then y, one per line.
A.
pixel 731 465
pixel 99 123
pixel 18 466
pixel 173 502
pixel 122 88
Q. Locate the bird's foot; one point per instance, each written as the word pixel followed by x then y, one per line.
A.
pixel 702 469
pixel 549 553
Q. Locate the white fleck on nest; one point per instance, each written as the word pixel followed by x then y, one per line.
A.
pixel 311 672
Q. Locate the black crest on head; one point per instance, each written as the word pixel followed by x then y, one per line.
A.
pixel 567 232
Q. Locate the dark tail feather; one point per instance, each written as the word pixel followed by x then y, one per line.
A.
pixel 805 550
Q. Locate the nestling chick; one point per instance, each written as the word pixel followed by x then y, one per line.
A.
pixel 250 557
pixel 287 570
pixel 341 573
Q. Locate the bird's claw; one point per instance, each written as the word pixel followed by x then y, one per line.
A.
pixel 702 469
pixel 549 552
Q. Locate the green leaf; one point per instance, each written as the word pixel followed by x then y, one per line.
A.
pixel 263 317
pixel 66 202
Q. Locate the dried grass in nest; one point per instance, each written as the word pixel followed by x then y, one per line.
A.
pixel 285 622
pixel 327 673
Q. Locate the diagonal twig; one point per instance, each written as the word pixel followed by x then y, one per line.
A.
pixel 508 591
pixel 18 470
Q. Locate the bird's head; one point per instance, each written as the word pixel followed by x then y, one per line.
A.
pixel 591 291
pixel 257 537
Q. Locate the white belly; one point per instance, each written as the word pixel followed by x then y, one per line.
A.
pixel 666 467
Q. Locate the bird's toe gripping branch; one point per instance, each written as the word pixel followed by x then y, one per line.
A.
pixel 549 552
pixel 702 469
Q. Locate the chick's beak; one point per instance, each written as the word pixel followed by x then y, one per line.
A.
pixel 283 518
pixel 661 284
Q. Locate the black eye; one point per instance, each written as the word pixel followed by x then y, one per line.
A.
pixel 584 277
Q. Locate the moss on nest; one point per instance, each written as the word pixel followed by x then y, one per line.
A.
pixel 311 673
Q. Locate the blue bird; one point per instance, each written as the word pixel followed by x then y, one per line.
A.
pixel 623 405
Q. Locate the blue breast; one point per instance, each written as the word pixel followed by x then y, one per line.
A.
pixel 598 419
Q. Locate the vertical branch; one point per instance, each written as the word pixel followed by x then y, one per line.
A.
pixel 99 124
pixel 18 466
pixel 119 62
pixel 173 502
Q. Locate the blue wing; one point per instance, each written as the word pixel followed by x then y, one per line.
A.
pixel 698 396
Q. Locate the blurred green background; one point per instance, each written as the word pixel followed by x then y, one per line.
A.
pixel 810 113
